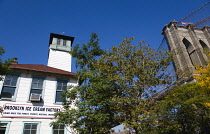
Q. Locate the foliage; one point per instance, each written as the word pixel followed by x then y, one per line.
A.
pixel 4 64
pixel 202 75
pixel 185 109
pixel 93 113
pixel 115 86
pixel 137 71
pixel 4 67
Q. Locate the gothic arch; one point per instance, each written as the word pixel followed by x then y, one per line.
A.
pixel 191 52
pixel 204 46
pixel 206 49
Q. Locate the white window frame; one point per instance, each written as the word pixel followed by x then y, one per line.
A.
pixel 15 87
pixel 59 129
pixel 42 89
pixel 58 41
pixel 64 42
pixel 7 127
pixel 62 80
pixel 27 122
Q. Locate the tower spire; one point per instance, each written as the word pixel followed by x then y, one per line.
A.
pixel 59 47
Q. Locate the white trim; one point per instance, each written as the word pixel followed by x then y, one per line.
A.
pixel 43 87
pixel 35 122
pixel 8 126
pixel 16 87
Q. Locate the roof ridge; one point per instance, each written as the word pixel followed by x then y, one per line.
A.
pixel 42 68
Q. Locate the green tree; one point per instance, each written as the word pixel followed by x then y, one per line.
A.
pixel 93 113
pixel 185 109
pixel 115 86
pixel 4 64
pixel 4 67
pixel 137 71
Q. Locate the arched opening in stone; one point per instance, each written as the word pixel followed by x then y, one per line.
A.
pixel 206 49
pixel 191 52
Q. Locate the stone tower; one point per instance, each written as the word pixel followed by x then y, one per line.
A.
pixel 59 47
pixel 189 45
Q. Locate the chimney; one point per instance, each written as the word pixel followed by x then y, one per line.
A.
pixel 14 61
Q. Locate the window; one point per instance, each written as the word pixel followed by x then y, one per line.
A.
pixel 58 41
pixel 37 85
pixel 61 86
pixel 60 129
pixel 64 42
pixel 4 127
pixel 9 87
pixel 31 128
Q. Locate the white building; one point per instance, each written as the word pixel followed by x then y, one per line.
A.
pixel 31 94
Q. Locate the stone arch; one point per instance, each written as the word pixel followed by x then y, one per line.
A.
pixel 206 49
pixel 191 52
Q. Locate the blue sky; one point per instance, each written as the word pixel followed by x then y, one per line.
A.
pixel 25 25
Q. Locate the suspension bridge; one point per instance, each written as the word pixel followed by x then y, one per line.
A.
pixel 199 19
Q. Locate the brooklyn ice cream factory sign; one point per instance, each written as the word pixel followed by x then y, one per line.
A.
pixel 30 111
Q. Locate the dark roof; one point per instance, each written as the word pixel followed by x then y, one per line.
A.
pixel 62 37
pixel 41 68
